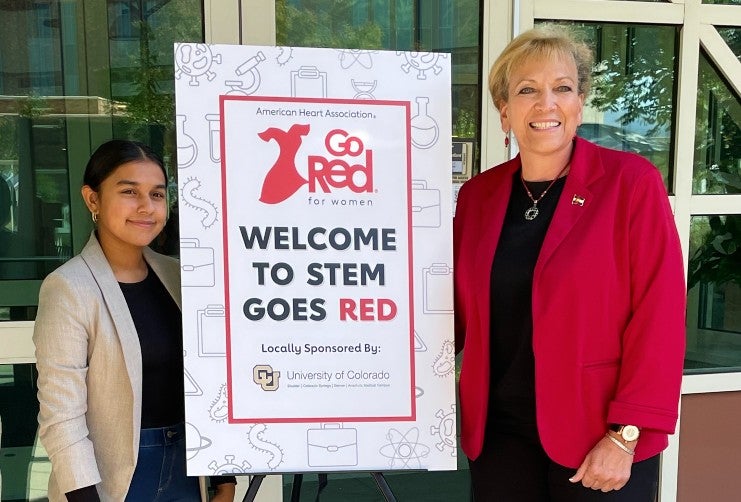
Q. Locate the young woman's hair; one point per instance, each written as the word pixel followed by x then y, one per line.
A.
pixel 545 41
pixel 114 153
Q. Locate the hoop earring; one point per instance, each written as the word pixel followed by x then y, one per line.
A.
pixel 94 216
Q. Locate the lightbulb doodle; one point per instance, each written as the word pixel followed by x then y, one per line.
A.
pixel 404 449
pixel 195 61
pixel 445 430
pixel 219 409
pixel 192 200
pixel 256 438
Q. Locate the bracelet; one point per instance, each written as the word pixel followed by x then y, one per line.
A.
pixel 619 444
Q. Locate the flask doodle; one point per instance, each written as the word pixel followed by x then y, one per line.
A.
pixel 189 197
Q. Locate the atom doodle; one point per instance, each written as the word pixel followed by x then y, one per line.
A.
pixel 229 467
pixel 444 363
pixel 445 430
pixel 219 409
pixel 259 443
pixel 404 449
pixel 422 62
pixel 348 57
pixel 195 60
pixel 208 208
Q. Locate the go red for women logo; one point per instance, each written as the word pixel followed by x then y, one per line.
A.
pixel 347 163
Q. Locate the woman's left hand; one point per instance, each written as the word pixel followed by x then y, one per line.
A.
pixel 605 468
pixel 224 493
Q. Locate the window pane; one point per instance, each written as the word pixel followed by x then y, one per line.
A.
pixel 632 101
pixel 723 2
pixel 732 36
pixel 24 463
pixel 436 26
pixel 714 294
pixel 35 233
pixel 717 162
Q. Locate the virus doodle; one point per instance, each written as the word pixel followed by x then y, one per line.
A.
pixel 445 430
pixel 229 467
pixel 219 409
pixel 285 54
pixel 208 208
pixel 444 363
pixel 194 61
pixel 257 440
pixel 422 62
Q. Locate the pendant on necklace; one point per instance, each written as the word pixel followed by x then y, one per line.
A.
pixel 531 212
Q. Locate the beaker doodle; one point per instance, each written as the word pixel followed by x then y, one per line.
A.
pixel 425 130
pixel 308 81
pixel 187 148
pixel 364 90
pixel 249 68
pixel 214 136
pixel 195 60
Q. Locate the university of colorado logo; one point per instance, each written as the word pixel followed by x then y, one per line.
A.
pixel 338 168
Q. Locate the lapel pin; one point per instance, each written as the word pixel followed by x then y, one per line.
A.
pixel 577 200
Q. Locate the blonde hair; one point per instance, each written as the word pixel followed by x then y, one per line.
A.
pixel 543 41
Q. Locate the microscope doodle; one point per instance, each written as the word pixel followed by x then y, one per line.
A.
pixel 251 75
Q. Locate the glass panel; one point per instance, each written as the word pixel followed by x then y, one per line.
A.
pixel 24 463
pixel 443 25
pixel 18 313
pixel 35 233
pixel 717 164
pixel 714 294
pixel 633 94
pixel 723 2
pixel 732 36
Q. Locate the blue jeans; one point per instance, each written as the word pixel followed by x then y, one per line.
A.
pixel 160 471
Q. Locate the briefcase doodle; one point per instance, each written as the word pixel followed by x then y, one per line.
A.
pixel 332 445
pixel 196 264
pixel 425 205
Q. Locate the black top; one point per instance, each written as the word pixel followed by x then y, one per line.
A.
pixel 512 384
pixel 157 319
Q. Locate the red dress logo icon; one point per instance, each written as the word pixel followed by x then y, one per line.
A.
pixel 283 179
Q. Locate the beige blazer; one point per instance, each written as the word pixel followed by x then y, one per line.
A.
pixel 90 373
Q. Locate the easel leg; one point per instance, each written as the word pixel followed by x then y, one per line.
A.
pixel 383 486
pixel 296 488
pixel 254 486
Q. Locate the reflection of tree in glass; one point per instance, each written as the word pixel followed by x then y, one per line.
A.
pixel 717 259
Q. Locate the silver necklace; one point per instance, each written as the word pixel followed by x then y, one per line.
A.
pixel 532 212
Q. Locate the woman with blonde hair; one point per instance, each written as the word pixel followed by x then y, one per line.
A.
pixel 570 297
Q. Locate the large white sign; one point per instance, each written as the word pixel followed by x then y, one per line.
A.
pixel 315 194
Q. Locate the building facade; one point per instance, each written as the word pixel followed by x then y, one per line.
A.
pixel 74 73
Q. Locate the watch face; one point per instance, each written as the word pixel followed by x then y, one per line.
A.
pixel 630 433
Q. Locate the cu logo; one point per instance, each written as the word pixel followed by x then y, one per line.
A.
pixel 264 376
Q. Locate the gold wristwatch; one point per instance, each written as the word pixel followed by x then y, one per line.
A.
pixel 628 433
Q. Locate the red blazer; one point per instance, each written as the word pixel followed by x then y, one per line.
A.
pixel 608 304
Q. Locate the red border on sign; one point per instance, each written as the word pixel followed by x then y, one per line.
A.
pixel 225 218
